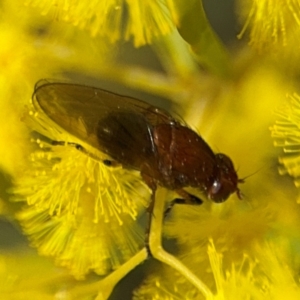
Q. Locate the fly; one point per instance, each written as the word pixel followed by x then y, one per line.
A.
pixel 140 137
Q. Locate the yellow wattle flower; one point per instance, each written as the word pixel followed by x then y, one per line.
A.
pixel 143 21
pixel 285 132
pixel 76 209
pixel 272 24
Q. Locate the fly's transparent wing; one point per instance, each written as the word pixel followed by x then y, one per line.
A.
pixel 110 122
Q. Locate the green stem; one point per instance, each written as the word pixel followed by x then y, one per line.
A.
pixel 197 32
pixel 104 287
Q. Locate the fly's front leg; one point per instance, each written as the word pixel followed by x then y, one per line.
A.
pixel 151 183
pixel 150 216
pixel 187 198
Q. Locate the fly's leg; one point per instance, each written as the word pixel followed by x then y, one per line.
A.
pixel 110 163
pixel 153 186
pixel 107 162
pixel 187 199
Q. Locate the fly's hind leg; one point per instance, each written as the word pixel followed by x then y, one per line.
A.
pixel 106 162
pixel 187 199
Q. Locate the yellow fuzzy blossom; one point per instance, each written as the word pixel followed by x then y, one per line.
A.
pixel 272 24
pixel 286 136
pixel 144 21
pixel 265 275
pixel 80 211
pixel 80 244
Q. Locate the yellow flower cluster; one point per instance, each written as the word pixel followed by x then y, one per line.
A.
pixel 142 20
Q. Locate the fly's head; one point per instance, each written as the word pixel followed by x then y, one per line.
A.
pixel 225 181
